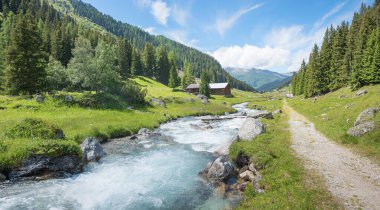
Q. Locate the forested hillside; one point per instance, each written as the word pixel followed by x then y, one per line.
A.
pixel 349 56
pixel 65 51
pixel 138 38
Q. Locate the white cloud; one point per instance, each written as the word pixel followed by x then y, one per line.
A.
pixel 150 30
pixel 180 15
pixel 160 11
pixel 223 24
pixel 330 13
pixel 285 47
pixel 181 36
pixel 250 56
pixel 143 3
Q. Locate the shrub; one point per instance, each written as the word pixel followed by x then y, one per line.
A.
pixel 132 93
pixel 261 159
pixel 98 134
pixel 35 129
pixel 114 133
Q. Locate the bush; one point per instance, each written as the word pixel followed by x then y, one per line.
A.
pixel 98 134
pixel 101 100
pixel 114 133
pixel 35 129
pixel 132 93
pixel 261 159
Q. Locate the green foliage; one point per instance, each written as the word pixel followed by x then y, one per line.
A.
pixel 25 58
pixel 162 68
pixel 34 129
pixel 204 88
pixel 187 77
pixel 114 133
pixel 98 134
pixel 148 60
pixel 349 56
pixel 136 65
pixel 56 75
pixel 124 57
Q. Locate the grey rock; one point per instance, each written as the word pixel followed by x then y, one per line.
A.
pixel 342 96
pixel 250 129
pixel 158 102
pixel 92 150
pixel 69 98
pixel 361 92
pixel 39 98
pixel 242 186
pixel 361 129
pixel 278 111
pixel 205 101
pixel 144 131
pixel 260 114
pixel 247 176
pixel 366 115
pixel 252 168
pixel 220 170
pixel 2 177
pixel 47 165
pixel 191 100
pixel 200 96
pixel 289 96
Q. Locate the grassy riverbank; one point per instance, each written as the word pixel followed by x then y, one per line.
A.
pixel 287 184
pixel 334 113
pixel 78 122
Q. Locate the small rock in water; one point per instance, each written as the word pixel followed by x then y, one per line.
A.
pixel 92 150
pixel 2 177
pixel 220 170
pixel 143 131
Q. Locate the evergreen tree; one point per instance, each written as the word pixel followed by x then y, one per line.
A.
pixel 148 60
pixel 173 77
pixel 136 65
pixel 205 85
pixel 312 71
pixel 162 65
pixel 187 77
pixel 56 75
pixel 25 58
pixel 124 57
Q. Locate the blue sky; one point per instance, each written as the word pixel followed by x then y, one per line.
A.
pixel 266 34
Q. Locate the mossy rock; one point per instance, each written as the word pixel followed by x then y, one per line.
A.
pixel 32 128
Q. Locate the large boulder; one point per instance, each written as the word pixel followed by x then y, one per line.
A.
pixel 250 129
pixel 220 170
pixel 205 101
pixel 2 177
pixel 41 165
pixel 261 114
pixel 92 150
pixel 366 116
pixel 361 129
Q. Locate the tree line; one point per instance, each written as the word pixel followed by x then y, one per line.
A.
pixel 200 62
pixel 349 56
pixel 44 50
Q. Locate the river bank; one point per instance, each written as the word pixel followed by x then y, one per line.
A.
pixel 159 171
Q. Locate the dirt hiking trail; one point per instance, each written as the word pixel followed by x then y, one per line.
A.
pixel 352 179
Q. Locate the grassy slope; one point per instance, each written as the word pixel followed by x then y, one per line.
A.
pixel 287 184
pixel 341 115
pixel 78 122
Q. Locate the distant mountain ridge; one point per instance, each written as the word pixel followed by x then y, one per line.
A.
pixel 261 80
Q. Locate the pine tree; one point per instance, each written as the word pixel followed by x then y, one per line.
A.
pixel 136 65
pixel 162 65
pixel 124 57
pixel 173 77
pixel 375 67
pixel 148 60
pixel 205 85
pixel 312 83
pixel 188 77
pixel 25 58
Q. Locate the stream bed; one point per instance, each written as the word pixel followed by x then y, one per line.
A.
pixel 157 172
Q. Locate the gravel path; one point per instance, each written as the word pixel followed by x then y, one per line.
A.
pixel 353 179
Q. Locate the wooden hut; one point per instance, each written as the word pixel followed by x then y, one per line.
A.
pixel 215 89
